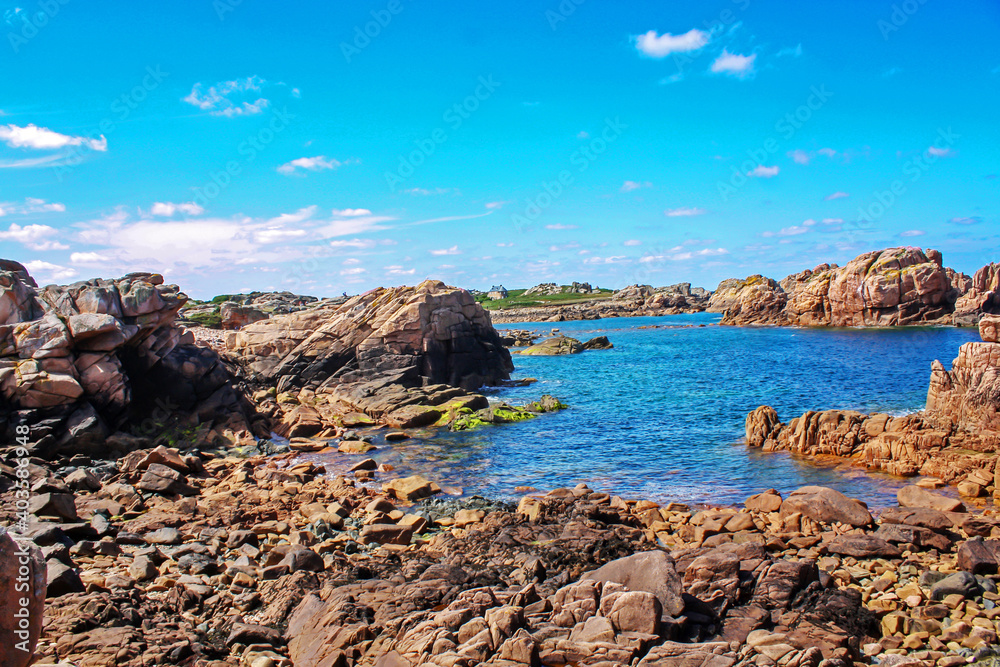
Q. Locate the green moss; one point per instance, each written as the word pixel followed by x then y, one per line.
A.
pixel 211 320
pixel 222 298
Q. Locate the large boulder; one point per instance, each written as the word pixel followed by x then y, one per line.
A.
pixel 431 334
pixel 554 346
pixel 22 597
pixel 756 300
pixel 652 571
pixel 825 505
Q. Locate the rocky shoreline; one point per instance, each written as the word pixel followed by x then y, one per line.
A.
pixel 631 301
pixel 891 287
pixel 183 535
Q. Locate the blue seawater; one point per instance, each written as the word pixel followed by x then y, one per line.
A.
pixel 661 415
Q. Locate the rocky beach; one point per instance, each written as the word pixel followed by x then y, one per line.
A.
pixel 176 513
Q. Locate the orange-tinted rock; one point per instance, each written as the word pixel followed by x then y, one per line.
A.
pixel 22 598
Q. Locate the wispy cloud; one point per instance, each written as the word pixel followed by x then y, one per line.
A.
pixel 760 171
pixel 940 152
pixel 29 206
pixel 49 271
pixel 734 64
pixel 169 209
pixel 446 251
pixel 559 226
pixel 660 46
pixel 425 192
pixel 911 233
pixel 239 97
pixel 684 211
pixel 316 163
pixel 35 237
pixel 836 195
pixel 972 220
pixel 629 186
pixel 790 52
pixel 42 138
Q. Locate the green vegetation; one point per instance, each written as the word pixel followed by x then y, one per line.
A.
pixel 222 298
pixel 516 299
pixel 212 320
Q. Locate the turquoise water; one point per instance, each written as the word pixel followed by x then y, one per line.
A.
pixel 661 415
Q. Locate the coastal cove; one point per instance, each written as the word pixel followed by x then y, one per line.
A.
pixel 661 416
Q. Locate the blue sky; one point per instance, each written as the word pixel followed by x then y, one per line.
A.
pixel 236 145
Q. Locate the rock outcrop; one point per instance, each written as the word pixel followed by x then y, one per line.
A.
pixel 968 396
pixel 955 439
pixel 429 334
pixel 22 594
pixel 891 287
pixel 81 361
pixel 982 294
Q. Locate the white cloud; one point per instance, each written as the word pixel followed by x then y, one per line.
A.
pixel 760 171
pixel 629 186
pixel 974 220
pixel 661 46
pixel 912 232
pixel 356 271
pixel 560 226
pixel 360 244
pixel 351 261
pixel 399 271
pixel 42 138
pixel 240 97
pixel 35 237
pixel 168 209
pixel 424 192
pixel 350 212
pixel 86 258
pixel 679 254
pixel 734 64
pixel 52 272
pixel 836 195
pixel 632 242
pixel 940 152
pixel 317 163
pixel 684 211
pixel 31 205
pixel 800 156
pixel 447 251
pixel 505 245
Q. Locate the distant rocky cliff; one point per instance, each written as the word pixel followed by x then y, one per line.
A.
pixel 891 287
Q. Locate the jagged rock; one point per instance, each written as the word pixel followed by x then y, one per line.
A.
pixel 895 286
pixel 22 596
pixel 983 293
pixel 968 396
pixel 431 331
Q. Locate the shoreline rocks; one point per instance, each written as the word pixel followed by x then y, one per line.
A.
pixel 893 287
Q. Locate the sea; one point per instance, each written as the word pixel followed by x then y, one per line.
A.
pixel 661 415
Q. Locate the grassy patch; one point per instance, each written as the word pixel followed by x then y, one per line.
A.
pixel 516 299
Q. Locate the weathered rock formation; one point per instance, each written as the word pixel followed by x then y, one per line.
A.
pixel 892 287
pixel 982 293
pixel 968 396
pixel 558 345
pixel 955 439
pixel 551 289
pixel 22 596
pixel 81 361
pixel 429 334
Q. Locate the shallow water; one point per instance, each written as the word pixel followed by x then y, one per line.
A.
pixel 661 415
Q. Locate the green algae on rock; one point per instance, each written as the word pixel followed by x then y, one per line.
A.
pixel 502 413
